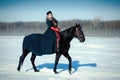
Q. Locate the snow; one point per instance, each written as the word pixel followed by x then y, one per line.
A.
pixel 96 59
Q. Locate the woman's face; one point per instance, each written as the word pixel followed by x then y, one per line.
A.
pixel 49 16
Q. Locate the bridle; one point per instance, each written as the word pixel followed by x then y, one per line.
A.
pixel 77 33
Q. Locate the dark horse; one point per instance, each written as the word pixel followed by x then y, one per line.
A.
pixel 66 37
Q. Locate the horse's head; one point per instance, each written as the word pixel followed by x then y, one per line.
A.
pixel 79 33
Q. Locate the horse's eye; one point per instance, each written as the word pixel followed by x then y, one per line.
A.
pixel 79 29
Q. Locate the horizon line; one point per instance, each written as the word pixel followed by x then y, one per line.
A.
pixel 62 20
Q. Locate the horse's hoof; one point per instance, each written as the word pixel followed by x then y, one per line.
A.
pixel 18 68
pixel 36 70
pixel 55 72
pixel 69 72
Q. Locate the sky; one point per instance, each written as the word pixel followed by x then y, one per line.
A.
pixel 35 10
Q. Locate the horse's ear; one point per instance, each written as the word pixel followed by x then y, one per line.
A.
pixel 79 25
pixel 76 24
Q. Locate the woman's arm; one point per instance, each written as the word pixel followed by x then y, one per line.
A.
pixel 51 25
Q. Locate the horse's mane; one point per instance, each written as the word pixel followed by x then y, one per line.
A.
pixel 67 30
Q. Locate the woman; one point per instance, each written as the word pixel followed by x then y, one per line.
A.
pixel 51 36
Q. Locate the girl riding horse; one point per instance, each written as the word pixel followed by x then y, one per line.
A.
pixel 52 34
pixel 47 43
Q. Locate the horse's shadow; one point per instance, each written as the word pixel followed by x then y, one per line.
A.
pixel 62 66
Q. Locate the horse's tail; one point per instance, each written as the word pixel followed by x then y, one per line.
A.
pixel 24 42
pixel 23 45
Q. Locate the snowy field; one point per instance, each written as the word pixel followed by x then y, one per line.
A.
pixel 96 59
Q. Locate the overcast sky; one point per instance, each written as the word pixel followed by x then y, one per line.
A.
pixel 35 10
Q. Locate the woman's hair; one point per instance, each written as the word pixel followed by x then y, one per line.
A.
pixel 55 20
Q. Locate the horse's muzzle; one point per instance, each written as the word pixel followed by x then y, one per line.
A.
pixel 82 40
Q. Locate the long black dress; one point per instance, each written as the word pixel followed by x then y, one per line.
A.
pixel 41 44
pixel 48 41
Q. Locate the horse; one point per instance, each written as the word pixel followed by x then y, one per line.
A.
pixel 66 37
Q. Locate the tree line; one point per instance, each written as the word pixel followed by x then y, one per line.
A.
pixel 95 27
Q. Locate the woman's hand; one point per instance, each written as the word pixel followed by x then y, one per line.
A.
pixel 55 29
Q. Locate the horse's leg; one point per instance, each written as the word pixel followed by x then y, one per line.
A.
pixel 21 59
pixel 70 61
pixel 32 61
pixel 56 61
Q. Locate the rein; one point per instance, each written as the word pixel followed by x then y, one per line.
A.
pixel 69 34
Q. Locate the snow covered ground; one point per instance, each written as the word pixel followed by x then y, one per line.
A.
pixel 96 59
